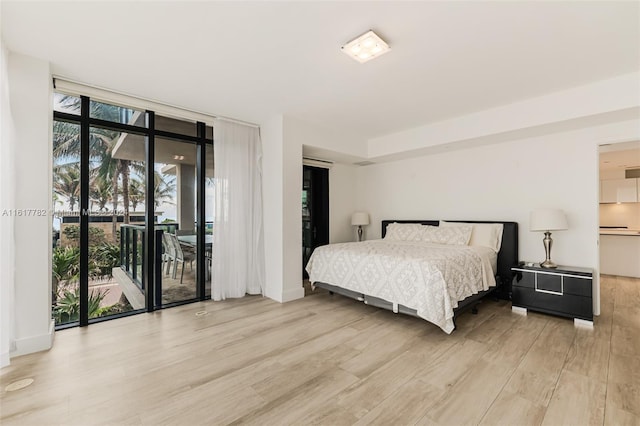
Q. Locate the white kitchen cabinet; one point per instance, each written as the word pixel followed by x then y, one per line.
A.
pixel 619 191
pixel 619 255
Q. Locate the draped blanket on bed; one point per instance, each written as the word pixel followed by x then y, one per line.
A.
pixel 430 278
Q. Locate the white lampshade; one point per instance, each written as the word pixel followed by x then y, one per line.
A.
pixel 548 220
pixel 360 218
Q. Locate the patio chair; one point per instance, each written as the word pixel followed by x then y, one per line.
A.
pixel 208 257
pixel 169 253
pixel 181 256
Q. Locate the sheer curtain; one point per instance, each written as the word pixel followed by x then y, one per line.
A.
pixel 238 237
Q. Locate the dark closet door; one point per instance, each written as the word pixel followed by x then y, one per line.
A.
pixel 315 211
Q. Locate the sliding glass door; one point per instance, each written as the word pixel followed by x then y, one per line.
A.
pixel 129 222
pixel 175 213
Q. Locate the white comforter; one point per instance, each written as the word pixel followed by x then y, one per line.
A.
pixel 430 278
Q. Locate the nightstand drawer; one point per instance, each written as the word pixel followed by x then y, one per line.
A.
pixel 578 286
pixel 566 305
pixel 549 283
pixel 554 282
pixel 524 279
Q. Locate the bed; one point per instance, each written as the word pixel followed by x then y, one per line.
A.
pixel 423 268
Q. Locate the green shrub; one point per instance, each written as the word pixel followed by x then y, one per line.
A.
pixel 96 235
pixel 67 308
pixel 103 258
pixel 65 263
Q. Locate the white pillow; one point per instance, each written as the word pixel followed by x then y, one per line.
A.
pixel 483 234
pixel 453 235
pixel 404 232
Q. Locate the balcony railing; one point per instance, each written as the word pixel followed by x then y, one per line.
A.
pixel 132 249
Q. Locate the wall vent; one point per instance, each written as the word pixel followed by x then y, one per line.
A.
pixel 364 163
pixel 632 173
pixel 316 162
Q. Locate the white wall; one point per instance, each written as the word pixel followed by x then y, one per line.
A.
pixel 624 214
pixel 30 100
pixel 7 197
pixel 282 140
pixel 342 202
pixel 502 182
pixel 325 138
pixel 292 215
pixel 272 195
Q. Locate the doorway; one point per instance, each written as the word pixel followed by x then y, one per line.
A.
pixel 315 211
pixel 619 209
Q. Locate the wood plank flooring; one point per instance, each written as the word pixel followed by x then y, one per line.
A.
pixel 329 360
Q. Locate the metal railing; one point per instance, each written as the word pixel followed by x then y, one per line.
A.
pixel 132 252
pixel 132 249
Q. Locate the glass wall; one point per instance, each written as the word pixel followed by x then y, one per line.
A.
pixel 175 204
pixel 108 165
pixel 210 193
pixel 65 262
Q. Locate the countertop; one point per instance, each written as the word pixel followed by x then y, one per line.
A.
pixel 631 232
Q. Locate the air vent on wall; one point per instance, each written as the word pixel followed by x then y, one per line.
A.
pixel 314 162
pixel 364 163
pixel 632 173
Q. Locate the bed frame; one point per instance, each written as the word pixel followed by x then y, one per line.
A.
pixel 507 258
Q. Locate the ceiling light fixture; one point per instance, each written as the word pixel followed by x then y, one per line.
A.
pixel 366 47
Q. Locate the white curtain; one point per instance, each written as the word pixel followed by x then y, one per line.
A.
pixel 238 237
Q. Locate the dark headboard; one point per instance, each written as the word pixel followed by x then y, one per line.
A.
pixel 507 256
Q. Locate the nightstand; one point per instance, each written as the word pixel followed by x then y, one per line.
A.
pixel 564 291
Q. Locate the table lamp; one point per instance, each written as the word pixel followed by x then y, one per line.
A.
pixel 548 220
pixel 360 219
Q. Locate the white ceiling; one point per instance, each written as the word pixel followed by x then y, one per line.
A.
pixel 250 60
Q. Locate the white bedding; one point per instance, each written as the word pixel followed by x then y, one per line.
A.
pixel 430 278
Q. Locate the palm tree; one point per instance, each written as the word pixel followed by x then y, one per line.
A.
pixel 67 183
pixel 136 193
pixel 66 149
pixel 101 192
pixel 165 189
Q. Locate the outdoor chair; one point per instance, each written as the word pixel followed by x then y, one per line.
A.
pixel 169 254
pixel 181 256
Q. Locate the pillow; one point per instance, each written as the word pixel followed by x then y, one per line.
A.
pixel 483 234
pixel 453 235
pixel 404 231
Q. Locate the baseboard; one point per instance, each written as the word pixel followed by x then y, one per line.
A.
pixel 4 359
pixel 29 345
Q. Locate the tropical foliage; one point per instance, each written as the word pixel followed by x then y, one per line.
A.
pixel 164 189
pixel 101 192
pixel 119 182
pixel 108 175
pixel 68 306
pixel 102 259
pixel 66 270
pixel 66 183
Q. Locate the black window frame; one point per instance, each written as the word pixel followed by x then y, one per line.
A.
pixel 152 271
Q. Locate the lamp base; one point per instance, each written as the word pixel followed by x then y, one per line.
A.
pixel 548 264
pixel 548 242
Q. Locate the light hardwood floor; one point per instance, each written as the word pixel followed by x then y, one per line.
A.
pixel 329 360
